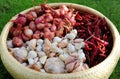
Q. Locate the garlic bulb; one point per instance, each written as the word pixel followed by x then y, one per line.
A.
pixel 54 65
pixel 19 53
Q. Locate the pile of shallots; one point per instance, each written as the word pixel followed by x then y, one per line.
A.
pixel 59 39
pixel 42 23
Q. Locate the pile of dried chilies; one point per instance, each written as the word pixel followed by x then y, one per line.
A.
pixel 97 36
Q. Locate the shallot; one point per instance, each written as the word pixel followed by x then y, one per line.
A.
pixel 17 41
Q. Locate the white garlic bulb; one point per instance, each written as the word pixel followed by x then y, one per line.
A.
pixel 54 65
pixel 19 53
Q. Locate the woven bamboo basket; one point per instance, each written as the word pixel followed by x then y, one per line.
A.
pixel 101 71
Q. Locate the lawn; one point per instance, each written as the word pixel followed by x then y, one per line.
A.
pixel 110 8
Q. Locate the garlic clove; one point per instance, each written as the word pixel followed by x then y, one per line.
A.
pixel 69 60
pixel 39 42
pixel 32 54
pixel 47 42
pixel 78 40
pixel 39 64
pixel 71 48
pixel 79 45
pixel 41 53
pixel 32 44
pixel 70 36
pixel 81 55
pixel 30 61
pixel 59 51
pixel 9 44
pixel 63 43
pixel 62 57
pixel 79 68
pixel 54 47
pixel 46 48
pixel 43 59
pixel 39 48
pixel 74 31
pixel 36 60
pixel 77 64
pixel 57 39
pixel 70 66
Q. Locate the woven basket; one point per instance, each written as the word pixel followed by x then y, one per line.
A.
pixel 101 71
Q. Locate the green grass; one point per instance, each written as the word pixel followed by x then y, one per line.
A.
pixel 9 8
